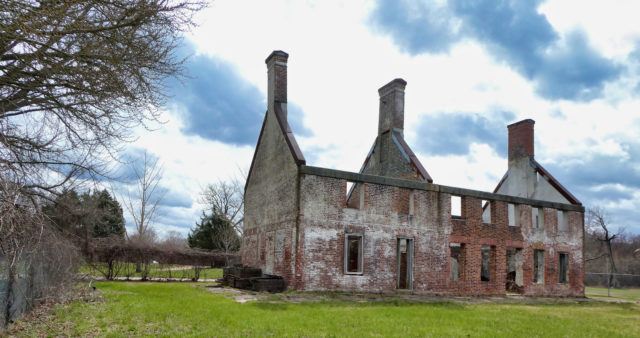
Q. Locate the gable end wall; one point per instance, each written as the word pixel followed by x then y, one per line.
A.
pixel 271 204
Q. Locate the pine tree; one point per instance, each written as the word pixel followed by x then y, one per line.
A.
pixel 110 220
pixel 87 216
pixel 214 232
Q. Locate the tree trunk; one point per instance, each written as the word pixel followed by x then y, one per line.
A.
pixel 613 281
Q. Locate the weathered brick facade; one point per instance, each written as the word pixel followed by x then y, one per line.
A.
pixel 303 224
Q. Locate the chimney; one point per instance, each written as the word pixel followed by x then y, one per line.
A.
pixel 392 106
pixel 521 139
pixel 277 77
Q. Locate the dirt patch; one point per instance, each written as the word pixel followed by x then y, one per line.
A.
pixel 614 300
pixel 240 296
pixel 138 282
pixel 243 296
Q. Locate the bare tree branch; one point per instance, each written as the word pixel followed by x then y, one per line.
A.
pixel 595 258
pixel 144 203
pixel 226 198
pixel 76 77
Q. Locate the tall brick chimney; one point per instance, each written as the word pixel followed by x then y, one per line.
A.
pixel 521 140
pixel 277 77
pixel 392 106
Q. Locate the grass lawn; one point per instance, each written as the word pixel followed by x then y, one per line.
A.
pixel 188 309
pixel 628 294
pixel 155 271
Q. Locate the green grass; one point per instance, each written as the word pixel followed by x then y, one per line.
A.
pixel 187 309
pixel 628 294
pixel 155 271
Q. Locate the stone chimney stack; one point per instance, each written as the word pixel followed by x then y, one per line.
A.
pixel 521 140
pixel 277 76
pixel 392 106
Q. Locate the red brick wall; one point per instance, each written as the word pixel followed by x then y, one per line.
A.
pixel 324 220
pixel 521 139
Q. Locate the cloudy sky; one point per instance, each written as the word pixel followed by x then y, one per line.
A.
pixel 472 67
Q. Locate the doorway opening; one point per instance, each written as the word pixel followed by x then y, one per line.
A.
pixel 514 270
pixel 405 264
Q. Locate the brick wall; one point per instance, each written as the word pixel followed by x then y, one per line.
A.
pixel 325 219
pixel 520 139
pixel 271 205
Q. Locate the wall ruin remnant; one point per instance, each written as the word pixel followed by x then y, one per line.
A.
pixel 393 228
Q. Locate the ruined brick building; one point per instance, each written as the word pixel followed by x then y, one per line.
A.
pixel 393 228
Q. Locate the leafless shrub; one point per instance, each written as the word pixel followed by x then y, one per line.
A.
pixel 36 262
pixel 114 259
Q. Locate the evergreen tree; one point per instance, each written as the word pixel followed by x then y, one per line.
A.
pixel 110 220
pixel 65 213
pixel 214 232
pixel 87 216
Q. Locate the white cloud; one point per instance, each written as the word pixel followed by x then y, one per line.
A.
pixel 612 25
pixel 337 64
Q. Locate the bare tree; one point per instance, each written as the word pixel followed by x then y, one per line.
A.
pixel 226 198
pixel 76 76
pixel 227 239
pixel 174 241
pixel 143 204
pixel 599 223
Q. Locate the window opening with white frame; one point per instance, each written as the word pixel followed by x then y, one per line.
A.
pixel 353 253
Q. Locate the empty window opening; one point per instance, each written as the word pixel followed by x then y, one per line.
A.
pixel 405 263
pixel 513 213
pixel 353 253
pixel 487 257
pixel 456 206
pixel 349 191
pixel 537 218
pixel 563 221
pixel 538 266
pixel 456 261
pixel 355 195
pixel 514 270
pixel 486 211
pixel 563 268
